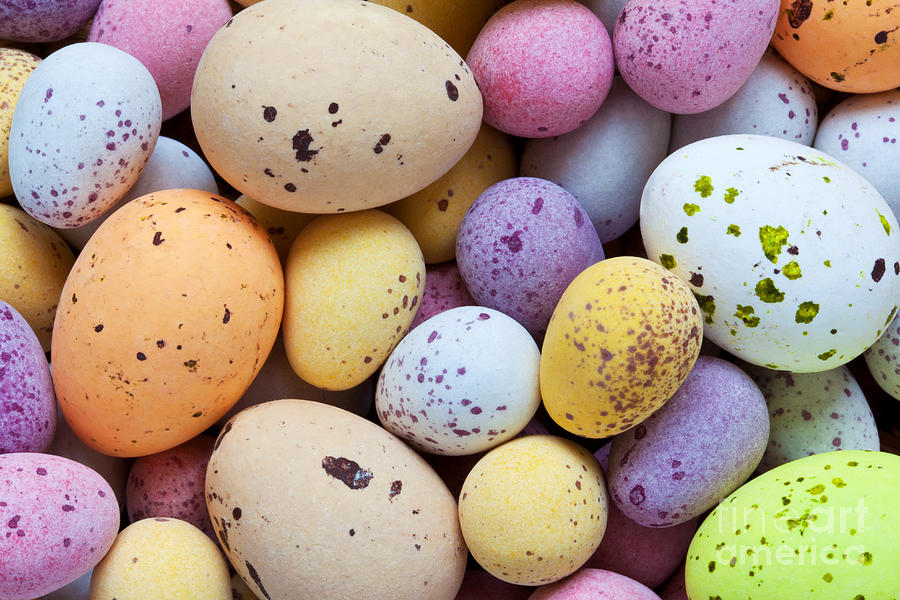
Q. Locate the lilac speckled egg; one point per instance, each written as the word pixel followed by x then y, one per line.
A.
pixel 521 243
pixel 172 484
pixel 695 450
pixel 27 401
pixel 81 136
pixel 687 56
pixel 172 165
pixel 863 132
pixel 60 518
pixel 883 359
pixel 462 382
pixel 444 289
pixel 43 20
pixel 776 100
pixel 543 67
pixel 167 36
pixel 812 413
pixel 478 585
pixel 605 163
pixel 594 584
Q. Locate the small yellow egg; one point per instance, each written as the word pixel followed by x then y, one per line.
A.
pixel 533 510
pixel 281 225
pixel 15 67
pixel 622 339
pixel 162 558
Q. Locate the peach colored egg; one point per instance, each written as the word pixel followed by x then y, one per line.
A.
pixel 15 67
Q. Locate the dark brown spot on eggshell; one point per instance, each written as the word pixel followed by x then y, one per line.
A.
pixel 300 143
pixel 347 471
pixel 878 270
pixel 452 92
pixel 396 488
pixel 269 113
pixel 251 570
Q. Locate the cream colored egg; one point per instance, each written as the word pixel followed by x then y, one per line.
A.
pixel 15 67
pixel 352 287
pixel 162 558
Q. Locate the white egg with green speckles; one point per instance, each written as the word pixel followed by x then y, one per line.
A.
pixel 793 256
pixel 883 359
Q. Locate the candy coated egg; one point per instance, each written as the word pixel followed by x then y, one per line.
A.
pixel 623 337
pixel 371 107
pixel 594 583
pixel 27 402
pixel 34 264
pixel 544 67
pixel 689 56
pixel 759 228
pixel 61 518
pixel 883 359
pixel 330 492
pixel 15 67
pixel 352 289
pixel 154 340
pixel 533 510
pixel 444 289
pixel 281 225
pixel 162 558
pixel 44 20
pixel 818 527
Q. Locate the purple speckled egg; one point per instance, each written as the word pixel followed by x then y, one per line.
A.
pixel 695 450
pixel 27 401
pixel 521 243
pixel 59 519
pixel 444 289
pixel 687 56
pixel 172 484
pixel 594 584
pixel 44 20
pixel 478 585
pixel 80 137
pixel 543 67
pixel 462 382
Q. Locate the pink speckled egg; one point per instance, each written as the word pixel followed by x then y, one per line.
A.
pixel 59 519
pixel 520 245
pixel 171 484
pixel 27 402
pixel 543 67
pixel 478 585
pixel 43 20
pixel 444 289
pixel 167 36
pixel 687 56
pixel 594 584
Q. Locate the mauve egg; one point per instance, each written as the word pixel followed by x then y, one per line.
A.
pixel 43 20
pixel 587 584
pixel 444 289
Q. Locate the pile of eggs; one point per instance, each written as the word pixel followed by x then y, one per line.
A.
pixel 480 299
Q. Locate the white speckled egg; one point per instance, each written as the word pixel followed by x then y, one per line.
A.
pixel 794 257
pixel 84 127
pixel 464 381
pixel 883 359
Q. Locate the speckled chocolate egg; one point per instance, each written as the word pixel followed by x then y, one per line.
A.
pixel 44 20
pixel 433 214
pixel 623 337
pixel 162 558
pixel 594 583
pixel 15 67
pixel 34 265
pixel 323 107
pixel 848 47
pixel 27 402
pixel 689 56
pixel 336 508
pixel 165 319
pixel 281 225
pixel 698 448
pixel 624 140
pixel 463 382
pixel 759 227
pixel 883 359
pixel 353 284
pixel 520 244
pixel 775 100
pixel 811 413
pixel 533 510
pixel 444 289
pixel 60 518
pixel 80 137
pixel 823 526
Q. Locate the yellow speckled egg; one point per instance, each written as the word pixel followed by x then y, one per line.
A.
pixel 352 287
pixel 433 214
pixel 15 67
pixel 34 263
pixel 162 558
pixel 622 339
pixel 167 316
pixel 319 106
pixel 845 46
pixel 281 225
pixel 533 510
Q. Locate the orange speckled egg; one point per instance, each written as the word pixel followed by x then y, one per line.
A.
pixel 622 339
pixel 167 316
pixel 846 46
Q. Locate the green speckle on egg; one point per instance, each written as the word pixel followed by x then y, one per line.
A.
pixel 772 240
pixel 704 186
pixel 806 312
pixel 827 355
pixel 865 559
pixel 828 15
pixel 890 316
pixel 827 263
pixel 682 235
pixel 827 179
pixel 816 489
pixel 745 314
pixel 733 230
pixel 730 194
pixel 772 366
pixel 827 577
pixel 767 292
pixel 668 261
pixel 838 482
pixel 691 209
pixel 884 223
pixel 792 270
pixel 707 305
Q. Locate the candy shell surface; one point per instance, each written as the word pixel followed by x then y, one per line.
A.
pixel 588 584
pixel 15 67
